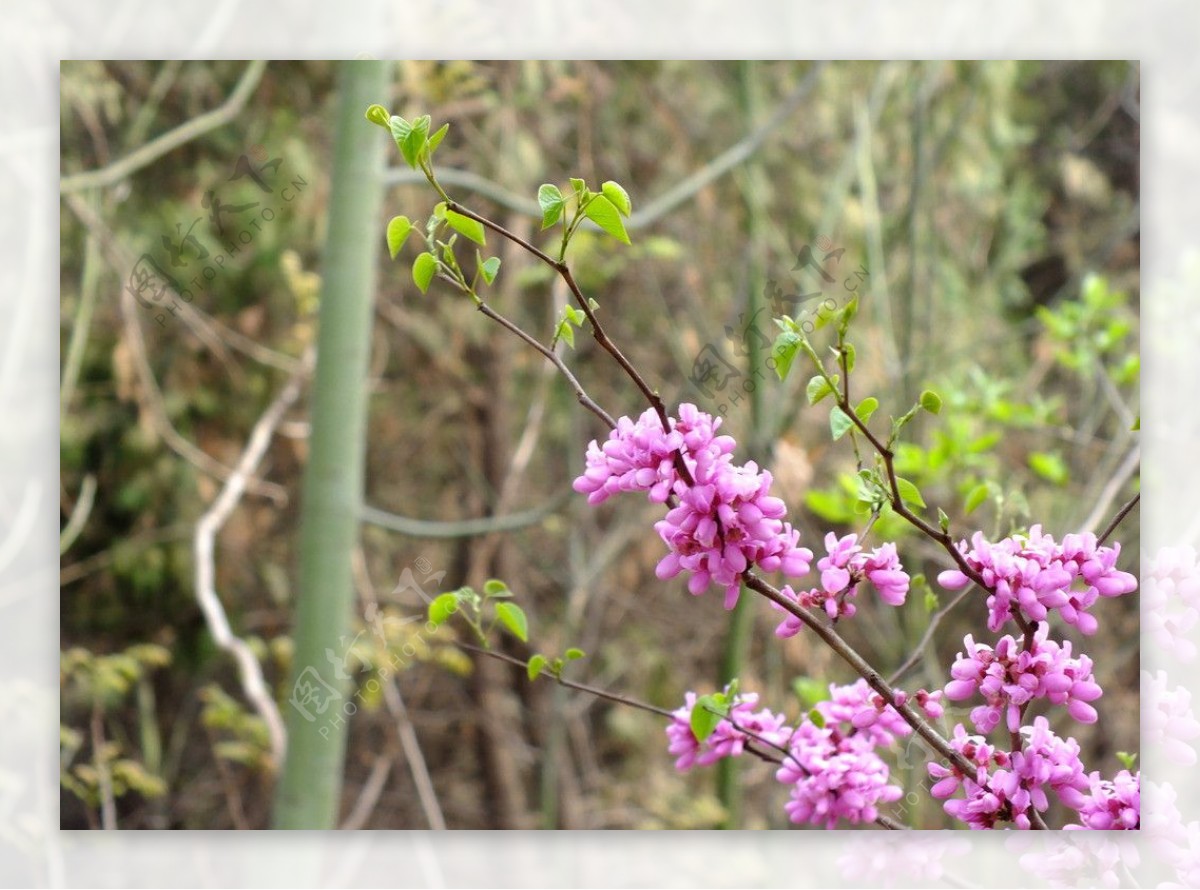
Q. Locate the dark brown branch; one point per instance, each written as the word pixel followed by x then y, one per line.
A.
pixel 851 656
pixel 1116 520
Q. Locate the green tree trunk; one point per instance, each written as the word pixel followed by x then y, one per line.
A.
pixel 310 787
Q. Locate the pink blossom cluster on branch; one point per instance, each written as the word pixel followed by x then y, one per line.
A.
pixel 1033 573
pixel 842 570
pixel 726 520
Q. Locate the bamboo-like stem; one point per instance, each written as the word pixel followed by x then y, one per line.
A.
pixel 310 787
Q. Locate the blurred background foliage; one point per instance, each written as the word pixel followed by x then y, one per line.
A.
pixel 993 207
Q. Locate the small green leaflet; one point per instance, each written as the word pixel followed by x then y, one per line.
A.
pixel 573 654
pixel 397 233
pixel 436 139
pixel 977 496
pixel 377 114
pixel 931 401
pixel 839 422
pixel 465 226
pixel 618 196
pixel 496 588
pixel 787 344
pixel 423 270
pixel 565 332
pixel 535 665
pixel 551 201
pixel 705 717
pixel 442 607
pixel 909 492
pixel 1049 466
pixel 512 617
pixel 603 213
pixel 489 267
pixel 866 408
pixel 818 388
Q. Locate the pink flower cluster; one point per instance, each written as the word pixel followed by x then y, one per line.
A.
pixel 1114 805
pixel 1036 574
pixel 728 739
pixel 842 570
pixel 834 776
pixel 1017 783
pixel 833 769
pixel 1010 676
pixel 989 798
pixel 724 523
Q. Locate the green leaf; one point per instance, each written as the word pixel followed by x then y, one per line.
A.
pixel 817 718
pixel 943 520
pixel 1049 466
pixel 512 617
pixel 618 196
pixel 535 665
pixel 416 140
pixel 443 606
pixel 464 225
pixel 1127 759
pixel 976 496
pixel 847 315
pixel 817 389
pixel 809 690
pixel 489 267
pixel 931 600
pixel 603 213
pixel 436 139
pixel 579 186
pixel 565 332
pixel 551 201
pixel 423 270
pixel 866 408
pixel 377 114
pixel 576 315
pixel 787 344
pixel 496 588
pixel 931 401
pixel 909 492
pixel 397 233
pixel 848 349
pixel 705 717
pixel 573 654
pixel 839 422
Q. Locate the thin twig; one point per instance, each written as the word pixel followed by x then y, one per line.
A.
pixel 927 637
pixel 108 805
pixel 395 705
pixel 583 398
pixel 79 515
pixel 210 523
pixel 1116 520
pixel 571 684
pixel 170 140
pixel 368 798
